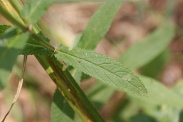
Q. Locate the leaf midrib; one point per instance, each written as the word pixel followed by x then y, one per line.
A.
pixel 100 67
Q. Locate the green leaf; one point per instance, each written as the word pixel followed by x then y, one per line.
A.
pixel 61 111
pixel 181 116
pixel 100 94
pixel 154 68
pixel 76 74
pixel 3 28
pixel 178 87
pixel 34 9
pixel 159 94
pixel 149 48
pixel 99 24
pixel 84 76
pixel 103 68
pixel 10 48
pixel 142 118
pixel 33 47
pixel 9 33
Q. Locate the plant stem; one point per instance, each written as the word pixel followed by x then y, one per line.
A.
pixel 42 42
pixel 10 18
pixel 70 90
pixel 14 21
pixel 64 81
pixel 17 5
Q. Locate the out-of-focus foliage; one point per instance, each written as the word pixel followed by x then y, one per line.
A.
pixel 11 45
pixel 146 58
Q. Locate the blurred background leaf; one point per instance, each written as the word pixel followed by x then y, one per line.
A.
pixel 34 9
pixel 12 44
pixel 134 23
pixel 99 24
pixel 61 110
pixel 149 48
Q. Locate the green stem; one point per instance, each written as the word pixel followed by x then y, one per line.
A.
pixel 64 81
pixel 70 90
pixel 17 5
pixel 10 18
pixel 42 42
pixel 15 22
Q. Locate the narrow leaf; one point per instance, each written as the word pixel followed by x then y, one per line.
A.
pixel 60 109
pixel 181 116
pixel 9 50
pixel 99 94
pixel 76 74
pixel 34 9
pixel 142 118
pixel 99 24
pixel 3 28
pixel 103 68
pixel 154 68
pixel 159 94
pixel 34 48
pixel 149 48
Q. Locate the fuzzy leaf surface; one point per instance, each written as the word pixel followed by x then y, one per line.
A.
pixel 99 24
pixel 34 10
pixel 11 47
pixel 103 68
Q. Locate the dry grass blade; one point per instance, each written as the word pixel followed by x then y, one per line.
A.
pixel 18 89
